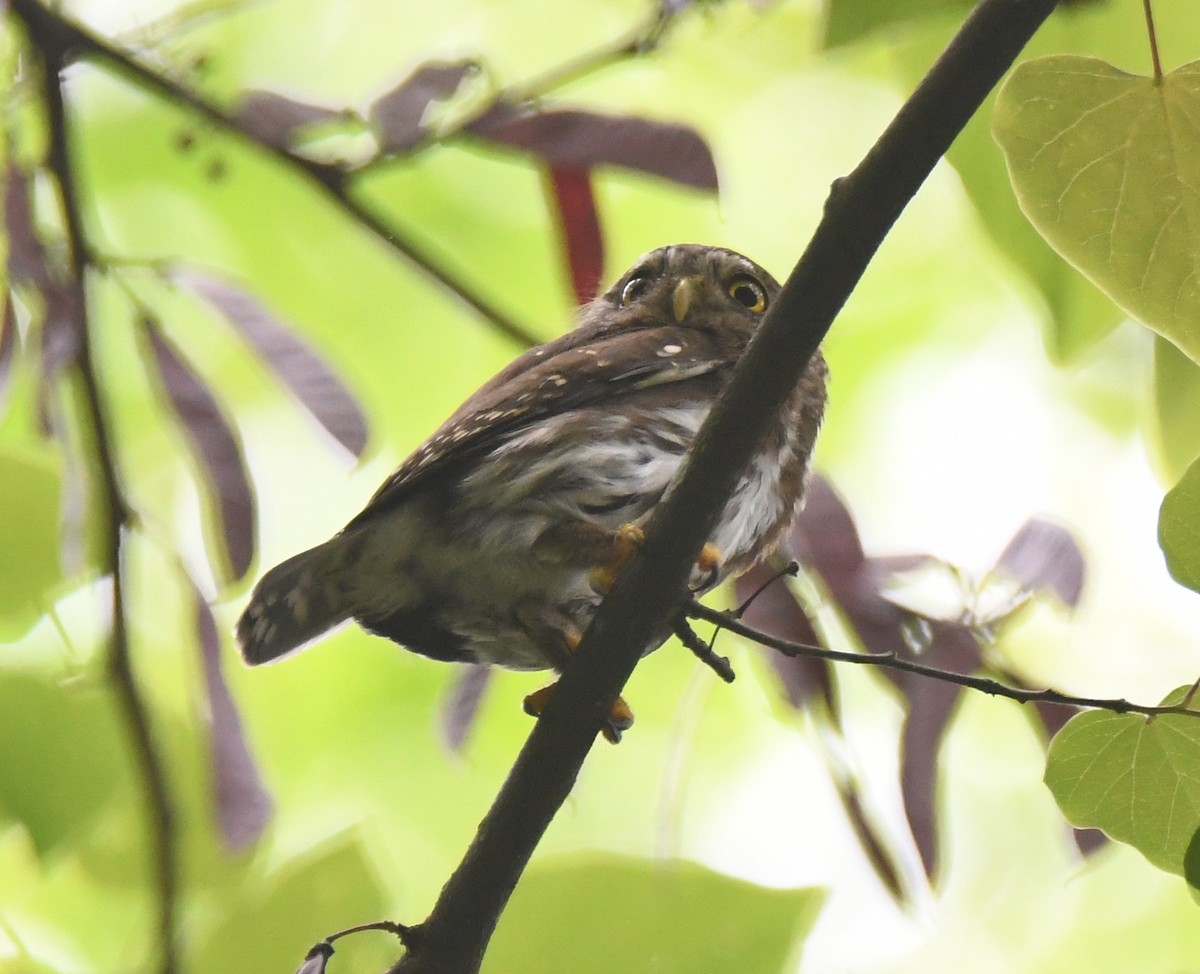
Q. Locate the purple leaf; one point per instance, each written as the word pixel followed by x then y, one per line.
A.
pixel 8 344
pixel 581 140
pixel 62 328
pixel 316 960
pixel 1052 716
pixel 776 612
pixel 462 706
pixel 60 347
pixel 1042 556
pixel 825 538
pixel 399 114
pixel 216 447
pixel 273 118
pixel 243 804
pixel 929 706
pixel 28 264
pixel 579 224
pixel 326 398
pixel 75 525
pixel 1089 841
pixel 873 846
pixel 26 256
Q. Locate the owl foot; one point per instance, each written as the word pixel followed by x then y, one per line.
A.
pixel 619 720
pixel 708 562
pixel 627 540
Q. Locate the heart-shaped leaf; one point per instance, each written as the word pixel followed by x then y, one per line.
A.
pixel 1137 779
pixel 1179 528
pixel 1176 406
pixel 1106 165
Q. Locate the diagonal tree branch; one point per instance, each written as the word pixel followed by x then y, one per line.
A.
pixel 984 684
pixel 47 26
pixel 861 209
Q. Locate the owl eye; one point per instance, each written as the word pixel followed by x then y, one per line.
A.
pixel 747 292
pixel 633 290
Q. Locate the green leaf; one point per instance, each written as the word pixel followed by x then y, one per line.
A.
pixel 30 487
pixel 273 920
pixel 57 786
pixel 1179 528
pixel 1176 406
pixel 1077 314
pixel 616 914
pixel 1136 779
pixel 1106 165
pixel 847 21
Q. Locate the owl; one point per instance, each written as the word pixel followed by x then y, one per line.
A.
pixel 497 538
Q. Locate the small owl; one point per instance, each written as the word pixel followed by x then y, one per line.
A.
pixel 494 541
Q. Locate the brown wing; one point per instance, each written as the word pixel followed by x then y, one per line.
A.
pixel 576 370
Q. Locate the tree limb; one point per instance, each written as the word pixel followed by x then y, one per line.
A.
pixel 860 210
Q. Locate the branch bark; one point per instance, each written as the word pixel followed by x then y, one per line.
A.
pixel 861 209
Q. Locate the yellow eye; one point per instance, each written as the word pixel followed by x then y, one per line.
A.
pixel 634 290
pixel 747 292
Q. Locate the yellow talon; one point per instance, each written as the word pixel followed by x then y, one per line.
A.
pixel 709 559
pixel 536 702
pixel 619 720
pixel 627 540
pixel 631 535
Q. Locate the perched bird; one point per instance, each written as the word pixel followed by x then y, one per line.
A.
pixel 495 541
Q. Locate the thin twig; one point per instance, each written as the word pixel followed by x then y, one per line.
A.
pixel 702 650
pixel 638 42
pixel 329 180
pixel 1153 35
pixel 399 930
pixel 116 513
pixel 892 661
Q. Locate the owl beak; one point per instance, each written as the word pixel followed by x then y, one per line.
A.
pixel 685 294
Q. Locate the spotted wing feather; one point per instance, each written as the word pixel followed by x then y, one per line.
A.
pixel 569 373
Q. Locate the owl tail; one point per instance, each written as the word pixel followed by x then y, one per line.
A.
pixel 293 603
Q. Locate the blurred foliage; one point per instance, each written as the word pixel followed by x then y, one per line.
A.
pixel 1178 530
pixel 372 809
pixel 595 914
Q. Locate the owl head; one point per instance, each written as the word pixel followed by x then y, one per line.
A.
pixel 690 284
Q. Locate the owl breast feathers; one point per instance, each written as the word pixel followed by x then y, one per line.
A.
pixel 482 546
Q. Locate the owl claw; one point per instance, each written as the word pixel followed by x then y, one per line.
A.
pixel 627 540
pixel 536 702
pixel 709 562
pixel 619 720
